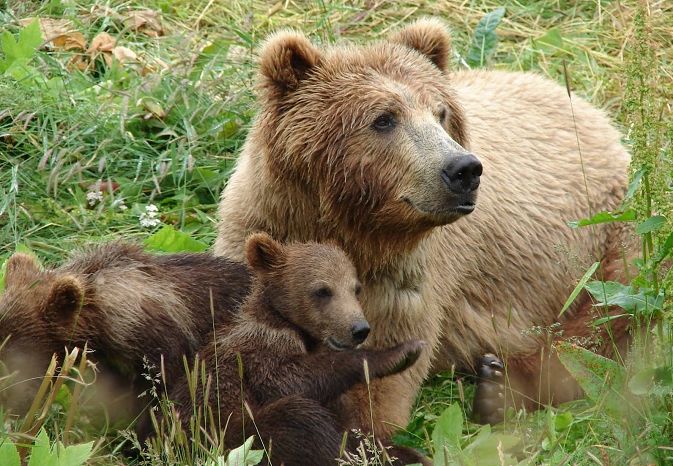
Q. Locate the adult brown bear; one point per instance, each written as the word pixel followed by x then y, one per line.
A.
pixel 381 149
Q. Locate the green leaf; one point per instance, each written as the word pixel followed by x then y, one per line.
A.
pixel 616 294
pixel 485 38
pixel 168 239
pixel 74 455
pixel 30 38
pixel 605 217
pixel 578 288
pixel 595 374
pixel 550 43
pixel 8 454
pixel 651 224
pixel 642 382
pixel 446 435
pixel 637 176
pixel 665 250
pixel 562 421
pixel 9 47
pixel 40 453
pixel 244 456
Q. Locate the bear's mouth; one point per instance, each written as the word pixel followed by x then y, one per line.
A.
pixel 337 344
pixel 464 207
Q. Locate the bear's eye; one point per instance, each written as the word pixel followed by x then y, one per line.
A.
pixel 385 122
pixel 443 114
pixel 358 290
pixel 323 292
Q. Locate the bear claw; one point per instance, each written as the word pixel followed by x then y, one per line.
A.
pixel 489 401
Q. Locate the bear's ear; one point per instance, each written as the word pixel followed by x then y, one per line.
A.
pixel 285 60
pixel 64 301
pixel 430 37
pixel 22 269
pixel 263 253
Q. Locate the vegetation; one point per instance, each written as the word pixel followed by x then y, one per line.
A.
pixel 120 117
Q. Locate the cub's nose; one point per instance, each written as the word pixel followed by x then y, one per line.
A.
pixel 462 174
pixel 359 332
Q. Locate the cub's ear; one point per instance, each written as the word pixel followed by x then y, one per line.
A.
pixel 430 37
pixel 285 59
pixel 22 269
pixel 264 254
pixel 66 294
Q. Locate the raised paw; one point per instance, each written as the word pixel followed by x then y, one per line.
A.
pixel 410 352
pixel 489 401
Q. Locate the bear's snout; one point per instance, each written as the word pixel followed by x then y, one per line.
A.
pixel 359 332
pixel 462 174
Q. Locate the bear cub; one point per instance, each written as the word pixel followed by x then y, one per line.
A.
pixel 296 338
pixel 134 310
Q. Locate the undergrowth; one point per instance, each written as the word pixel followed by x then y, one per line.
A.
pixel 123 119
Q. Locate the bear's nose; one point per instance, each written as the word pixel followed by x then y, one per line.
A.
pixel 462 173
pixel 359 331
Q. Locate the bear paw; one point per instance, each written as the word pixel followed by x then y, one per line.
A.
pixel 489 401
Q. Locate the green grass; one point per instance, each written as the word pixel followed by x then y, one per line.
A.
pixel 165 130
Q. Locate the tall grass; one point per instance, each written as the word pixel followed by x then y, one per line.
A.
pixel 84 150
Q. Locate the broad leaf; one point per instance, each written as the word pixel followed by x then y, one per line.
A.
pixel 168 239
pixel 595 374
pixel 244 456
pixel 651 224
pixel 485 38
pixel 8 454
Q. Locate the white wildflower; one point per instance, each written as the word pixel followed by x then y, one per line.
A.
pixel 94 197
pixel 148 219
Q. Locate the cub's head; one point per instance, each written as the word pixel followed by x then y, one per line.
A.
pixel 314 286
pixel 372 135
pixel 33 307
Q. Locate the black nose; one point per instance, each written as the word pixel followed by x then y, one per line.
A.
pixel 462 173
pixel 359 331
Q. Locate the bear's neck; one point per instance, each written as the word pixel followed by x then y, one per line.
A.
pixel 287 213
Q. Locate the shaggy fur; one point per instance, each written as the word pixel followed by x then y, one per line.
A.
pixel 350 145
pixel 295 337
pixel 126 304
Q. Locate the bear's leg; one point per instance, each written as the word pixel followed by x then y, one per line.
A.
pixel 296 431
pixel 540 378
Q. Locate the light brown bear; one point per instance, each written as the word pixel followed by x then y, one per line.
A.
pixel 295 336
pixel 380 148
pixel 132 308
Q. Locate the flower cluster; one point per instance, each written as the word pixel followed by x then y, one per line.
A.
pixel 148 219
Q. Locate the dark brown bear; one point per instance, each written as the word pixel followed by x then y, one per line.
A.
pixel 127 305
pixel 295 336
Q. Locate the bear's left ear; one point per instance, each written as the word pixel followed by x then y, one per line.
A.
pixel 65 298
pixel 430 37
pixel 285 59
pixel 263 253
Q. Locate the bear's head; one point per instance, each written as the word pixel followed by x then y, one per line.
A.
pixel 313 286
pixel 34 307
pixel 372 135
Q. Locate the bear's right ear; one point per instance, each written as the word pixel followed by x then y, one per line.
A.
pixel 65 298
pixel 21 269
pixel 263 253
pixel 285 60
pixel 428 36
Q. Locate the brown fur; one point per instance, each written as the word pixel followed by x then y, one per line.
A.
pixel 126 304
pixel 295 339
pixel 315 168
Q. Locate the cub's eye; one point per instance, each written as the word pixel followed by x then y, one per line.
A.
pixel 323 292
pixel 358 290
pixel 385 122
